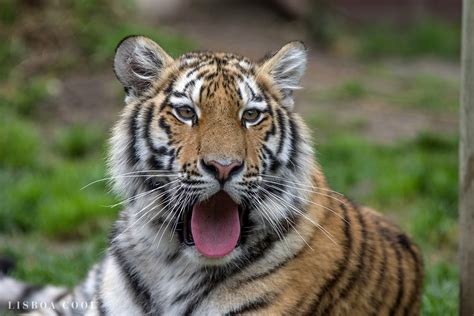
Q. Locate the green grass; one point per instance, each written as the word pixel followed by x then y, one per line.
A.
pixel 42 260
pixel 78 141
pixel 99 32
pixel 88 32
pixel 425 92
pixel 428 37
pixel 425 37
pixel 419 91
pixel 19 142
pixel 347 90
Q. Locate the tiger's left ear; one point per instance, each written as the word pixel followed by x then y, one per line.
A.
pixel 138 63
pixel 286 67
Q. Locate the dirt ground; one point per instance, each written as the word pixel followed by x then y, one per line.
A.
pixel 254 31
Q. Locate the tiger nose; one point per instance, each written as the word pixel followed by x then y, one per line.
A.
pixel 221 171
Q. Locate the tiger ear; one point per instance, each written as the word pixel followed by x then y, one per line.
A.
pixel 138 62
pixel 286 67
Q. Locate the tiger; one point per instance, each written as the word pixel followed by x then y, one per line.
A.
pixel 226 211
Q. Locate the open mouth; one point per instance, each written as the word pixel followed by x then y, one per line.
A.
pixel 213 226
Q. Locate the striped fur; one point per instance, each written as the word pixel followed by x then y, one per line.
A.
pixel 304 249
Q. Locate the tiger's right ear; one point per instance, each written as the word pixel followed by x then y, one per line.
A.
pixel 286 68
pixel 138 62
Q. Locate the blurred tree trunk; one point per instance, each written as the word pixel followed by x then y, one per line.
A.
pixel 466 174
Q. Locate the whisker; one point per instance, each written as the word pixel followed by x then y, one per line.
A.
pixel 143 213
pixel 294 228
pixel 176 197
pixel 127 176
pixel 277 228
pixel 142 194
pixel 305 190
pixel 311 202
pixel 299 212
pixel 300 184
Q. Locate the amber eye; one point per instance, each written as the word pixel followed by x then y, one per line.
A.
pixel 186 113
pixel 251 116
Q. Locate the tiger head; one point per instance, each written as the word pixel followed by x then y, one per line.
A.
pixel 208 146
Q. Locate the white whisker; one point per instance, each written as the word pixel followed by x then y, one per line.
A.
pixel 152 175
pixel 299 212
pixel 308 201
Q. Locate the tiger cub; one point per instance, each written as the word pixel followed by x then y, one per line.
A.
pixel 226 211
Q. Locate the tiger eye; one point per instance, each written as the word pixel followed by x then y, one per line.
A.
pixel 250 115
pixel 186 112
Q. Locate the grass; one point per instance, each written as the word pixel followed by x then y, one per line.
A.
pixel 425 37
pixel 428 37
pixel 419 91
pixel 425 92
pixel 348 90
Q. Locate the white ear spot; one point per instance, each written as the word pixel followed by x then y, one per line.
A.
pixel 139 62
pixel 286 68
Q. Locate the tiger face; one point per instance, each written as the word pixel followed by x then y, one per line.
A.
pixel 204 142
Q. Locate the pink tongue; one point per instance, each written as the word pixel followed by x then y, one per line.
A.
pixel 215 225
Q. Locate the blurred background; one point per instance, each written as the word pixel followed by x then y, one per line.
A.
pixel 381 96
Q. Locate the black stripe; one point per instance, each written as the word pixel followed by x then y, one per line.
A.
pixel 155 160
pixel 61 296
pixel 185 295
pixel 357 273
pixel 202 74
pixel 133 127
pixel 98 279
pixel 58 299
pixel 276 187
pixel 419 280
pixel 179 94
pixel 274 162
pixel 381 279
pixel 199 65
pixel 398 300
pixel 164 104
pixel 252 306
pixel 252 92
pixel 272 130
pixel 165 127
pixel 28 292
pixel 148 122
pixel 278 266
pixel 141 294
pixel 242 69
pixel 189 84
pixel 155 163
pixel 205 287
pixel 169 87
pixel 171 153
pixel 341 266
pixel 294 143
pixel 171 258
pixel 281 123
